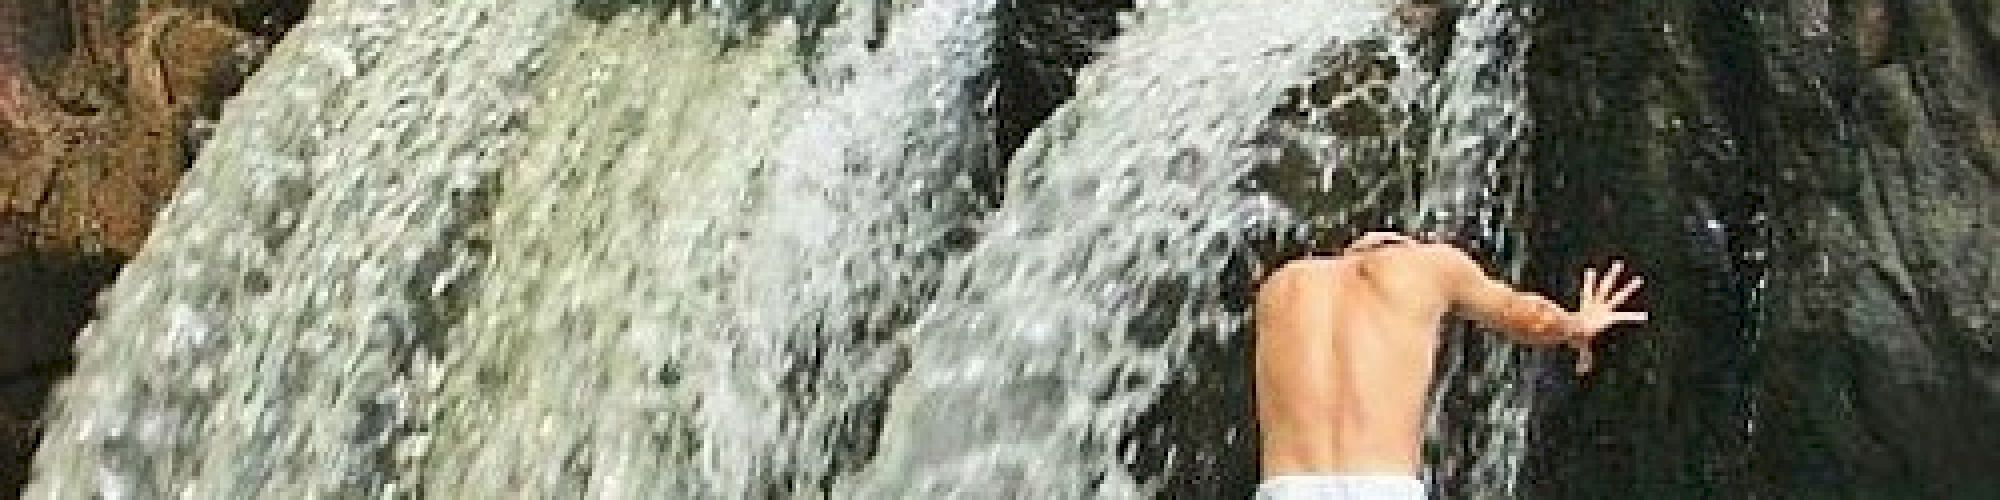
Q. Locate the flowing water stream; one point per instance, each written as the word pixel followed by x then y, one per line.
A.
pixel 276 339
pixel 511 249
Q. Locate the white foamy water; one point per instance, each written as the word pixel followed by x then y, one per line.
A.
pixel 1472 188
pixel 582 363
pixel 270 340
pixel 500 250
pixel 1076 307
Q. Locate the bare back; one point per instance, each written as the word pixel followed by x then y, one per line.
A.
pixel 1345 348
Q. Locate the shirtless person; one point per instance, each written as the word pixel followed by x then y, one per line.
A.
pixel 1344 357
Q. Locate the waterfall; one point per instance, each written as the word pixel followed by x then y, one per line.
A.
pixel 532 249
pixel 1050 336
pixel 273 338
pixel 1471 188
pixel 584 363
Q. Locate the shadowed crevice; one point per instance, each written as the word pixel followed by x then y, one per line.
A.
pixel 45 299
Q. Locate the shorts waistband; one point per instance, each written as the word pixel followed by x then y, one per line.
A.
pixel 1342 487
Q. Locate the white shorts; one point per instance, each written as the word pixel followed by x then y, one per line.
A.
pixel 1357 487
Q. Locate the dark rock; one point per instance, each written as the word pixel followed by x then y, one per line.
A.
pixel 1808 183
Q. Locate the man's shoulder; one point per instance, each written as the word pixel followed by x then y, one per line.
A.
pixel 1311 274
pixel 1425 269
pixel 1407 257
pixel 1417 256
pixel 1310 267
pixel 1418 261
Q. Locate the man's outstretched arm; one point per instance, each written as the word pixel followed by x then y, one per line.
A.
pixel 1534 319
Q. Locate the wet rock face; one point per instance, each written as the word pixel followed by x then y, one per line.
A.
pixel 1642 152
pixel 99 106
pixel 1810 184
pixel 1883 350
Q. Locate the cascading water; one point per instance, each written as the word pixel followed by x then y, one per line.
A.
pixel 1052 334
pixel 593 354
pixel 1477 117
pixel 506 249
pixel 737 358
pixel 270 341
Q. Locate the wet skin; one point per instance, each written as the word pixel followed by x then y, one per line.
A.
pixel 1345 347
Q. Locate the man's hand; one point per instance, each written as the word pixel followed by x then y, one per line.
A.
pixel 1601 297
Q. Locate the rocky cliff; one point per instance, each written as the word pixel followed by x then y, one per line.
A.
pixel 1813 185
